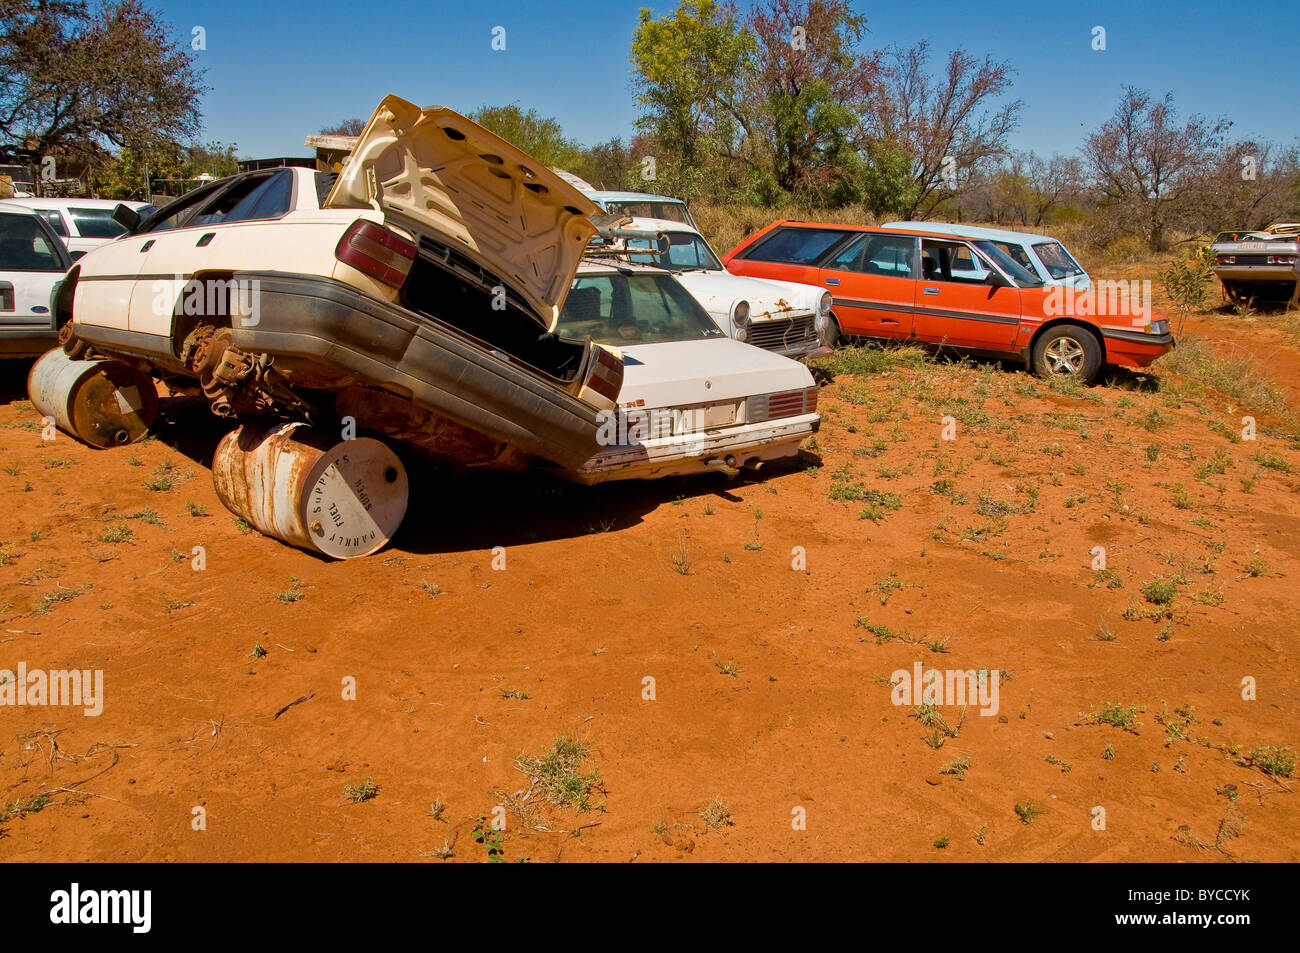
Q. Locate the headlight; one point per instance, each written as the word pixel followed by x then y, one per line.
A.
pixel 824 306
pixel 741 314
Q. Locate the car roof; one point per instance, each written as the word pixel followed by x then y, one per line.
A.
pixel 602 196
pixel 971 231
pixel 48 202
pixel 15 208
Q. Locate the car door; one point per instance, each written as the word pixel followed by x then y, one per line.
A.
pixel 107 277
pixel 193 243
pixel 32 263
pixel 954 308
pixel 873 282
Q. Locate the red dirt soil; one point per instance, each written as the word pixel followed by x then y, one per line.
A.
pixel 770 691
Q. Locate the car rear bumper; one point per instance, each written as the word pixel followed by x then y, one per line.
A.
pixel 429 364
pixel 725 450
pixel 1134 348
pixel 1255 273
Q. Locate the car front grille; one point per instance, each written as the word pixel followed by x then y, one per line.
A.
pixel 782 334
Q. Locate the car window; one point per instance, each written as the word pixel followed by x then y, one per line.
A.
pixel 54 220
pixel 95 222
pixel 177 214
pixel 850 259
pixel 686 252
pixel 796 246
pixel 24 246
pixel 624 309
pixel 270 199
pixel 948 261
pixel 889 255
pixel 1058 262
pixel 239 202
pixel 324 183
pixel 1018 253
pixel 1022 276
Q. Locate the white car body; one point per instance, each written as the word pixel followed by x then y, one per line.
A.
pixel 82 224
pixel 787 317
pixel 414 292
pixel 32 265
pixel 1041 254
pixel 712 405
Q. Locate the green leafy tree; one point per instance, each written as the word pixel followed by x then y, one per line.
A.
pixel 540 136
pixel 691 70
pixel 810 91
pixel 75 78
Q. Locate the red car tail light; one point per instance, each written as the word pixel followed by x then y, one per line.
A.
pixel 784 404
pixel 606 377
pixel 377 252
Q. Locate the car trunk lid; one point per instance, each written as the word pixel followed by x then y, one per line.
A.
pixel 435 170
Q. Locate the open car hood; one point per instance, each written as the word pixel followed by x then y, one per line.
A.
pixel 433 170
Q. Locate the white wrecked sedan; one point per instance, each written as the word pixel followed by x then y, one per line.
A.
pixel 787 317
pixel 693 400
pixel 416 294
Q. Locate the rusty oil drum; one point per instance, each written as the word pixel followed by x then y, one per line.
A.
pixel 104 403
pixel 343 499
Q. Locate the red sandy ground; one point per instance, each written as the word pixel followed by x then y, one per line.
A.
pixel 590 604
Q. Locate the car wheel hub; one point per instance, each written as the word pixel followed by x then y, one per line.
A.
pixel 1064 356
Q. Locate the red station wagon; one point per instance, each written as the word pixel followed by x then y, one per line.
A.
pixel 900 285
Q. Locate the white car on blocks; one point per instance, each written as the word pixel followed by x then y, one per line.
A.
pixel 787 317
pixel 416 293
pixel 693 400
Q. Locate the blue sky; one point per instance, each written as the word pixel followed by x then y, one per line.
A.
pixel 279 72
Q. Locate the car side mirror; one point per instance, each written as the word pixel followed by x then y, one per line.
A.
pixel 126 216
pixel 996 279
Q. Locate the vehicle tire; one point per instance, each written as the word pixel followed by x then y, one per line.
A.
pixel 832 332
pixel 1067 350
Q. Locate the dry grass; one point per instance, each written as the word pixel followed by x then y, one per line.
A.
pixel 1227 371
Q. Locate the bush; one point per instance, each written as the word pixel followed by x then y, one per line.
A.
pixel 1187 282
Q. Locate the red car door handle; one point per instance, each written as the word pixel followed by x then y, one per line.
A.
pixel 930 291
pixel 832 281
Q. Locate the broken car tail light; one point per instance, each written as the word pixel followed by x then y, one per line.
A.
pixel 606 377
pixel 1225 260
pixel 377 252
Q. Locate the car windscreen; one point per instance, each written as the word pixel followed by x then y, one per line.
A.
pixel 1014 270
pixel 686 252
pixel 25 246
pixel 633 308
pixel 1058 262
pixel 95 222
pixel 794 246
pixel 664 211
